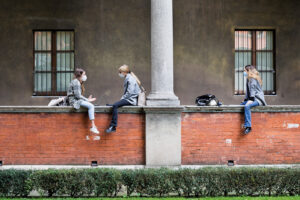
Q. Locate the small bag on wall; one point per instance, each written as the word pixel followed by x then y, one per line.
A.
pixel 207 100
pixel 62 101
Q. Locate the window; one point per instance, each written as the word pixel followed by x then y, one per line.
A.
pixel 53 62
pixel 255 47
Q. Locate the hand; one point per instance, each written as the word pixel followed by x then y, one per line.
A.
pixel 91 99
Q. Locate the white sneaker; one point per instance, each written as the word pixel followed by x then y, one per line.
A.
pixel 94 130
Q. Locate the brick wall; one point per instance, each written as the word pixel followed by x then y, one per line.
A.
pixel 60 138
pixel 207 138
pixel 215 138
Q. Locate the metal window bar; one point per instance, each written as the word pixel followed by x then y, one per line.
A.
pixel 266 74
pixel 274 62
pixel 238 63
pixel 65 61
pixel 46 61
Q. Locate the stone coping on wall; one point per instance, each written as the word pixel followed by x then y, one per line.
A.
pixel 150 109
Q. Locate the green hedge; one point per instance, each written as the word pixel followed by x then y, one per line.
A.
pixel 152 182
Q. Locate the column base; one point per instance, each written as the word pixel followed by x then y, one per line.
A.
pixel 162 100
pixel 163 136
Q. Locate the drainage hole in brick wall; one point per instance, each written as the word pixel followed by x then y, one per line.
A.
pixel 94 163
pixel 230 163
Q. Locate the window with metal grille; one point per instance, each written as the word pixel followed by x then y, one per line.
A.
pixel 255 47
pixel 53 62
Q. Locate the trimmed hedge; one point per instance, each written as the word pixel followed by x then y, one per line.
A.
pixel 152 182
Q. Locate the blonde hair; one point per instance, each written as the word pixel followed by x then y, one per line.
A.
pixel 125 68
pixel 253 73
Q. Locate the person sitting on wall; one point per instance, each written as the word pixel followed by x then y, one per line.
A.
pixel 77 100
pixel 254 94
pixel 130 96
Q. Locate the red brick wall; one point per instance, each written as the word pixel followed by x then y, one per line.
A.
pixel 60 138
pixel 271 141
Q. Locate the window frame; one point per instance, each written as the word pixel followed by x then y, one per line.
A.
pixel 253 56
pixel 53 53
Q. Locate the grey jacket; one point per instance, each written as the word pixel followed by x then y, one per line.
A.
pixel 74 94
pixel 131 89
pixel 255 91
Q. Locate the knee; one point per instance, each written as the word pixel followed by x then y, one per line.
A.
pixel 247 107
pixel 92 107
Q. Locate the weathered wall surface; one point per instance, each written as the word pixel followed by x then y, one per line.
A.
pixel 215 138
pixel 204 46
pixel 109 33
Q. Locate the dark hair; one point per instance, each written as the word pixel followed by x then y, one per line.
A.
pixel 247 67
pixel 78 72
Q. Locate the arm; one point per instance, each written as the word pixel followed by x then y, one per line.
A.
pixel 129 90
pixel 252 89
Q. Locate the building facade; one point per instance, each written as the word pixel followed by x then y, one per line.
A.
pixel 179 49
pixel 107 34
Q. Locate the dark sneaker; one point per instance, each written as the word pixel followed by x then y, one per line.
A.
pixel 111 129
pixel 247 130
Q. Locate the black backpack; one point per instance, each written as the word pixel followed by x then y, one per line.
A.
pixel 207 100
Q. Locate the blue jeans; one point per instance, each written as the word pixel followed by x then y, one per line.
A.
pixel 122 102
pixel 247 111
pixel 90 107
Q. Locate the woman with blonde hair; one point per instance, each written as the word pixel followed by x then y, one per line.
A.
pixel 254 94
pixel 130 96
pixel 76 99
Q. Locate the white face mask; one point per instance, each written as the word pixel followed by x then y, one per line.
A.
pixel 84 78
pixel 121 75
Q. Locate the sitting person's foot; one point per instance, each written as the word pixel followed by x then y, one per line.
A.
pixel 247 130
pixel 109 105
pixel 111 129
pixel 94 130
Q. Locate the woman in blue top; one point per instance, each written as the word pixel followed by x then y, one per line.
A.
pixel 130 96
pixel 254 94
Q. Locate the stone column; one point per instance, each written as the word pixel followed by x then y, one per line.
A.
pixel 162 82
pixel 163 110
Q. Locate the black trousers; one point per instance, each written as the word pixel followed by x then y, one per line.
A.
pixel 122 102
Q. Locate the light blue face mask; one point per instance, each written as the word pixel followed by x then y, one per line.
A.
pixel 245 74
